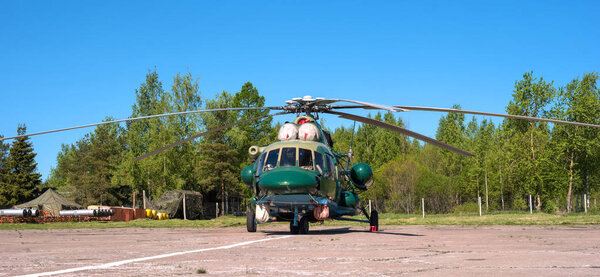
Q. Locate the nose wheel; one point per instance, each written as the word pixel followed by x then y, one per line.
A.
pixel 301 226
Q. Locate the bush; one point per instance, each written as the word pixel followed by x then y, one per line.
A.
pixel 520 204
pixel 468 207
pixel 550 207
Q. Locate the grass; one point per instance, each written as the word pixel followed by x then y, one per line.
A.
pixel 497 218
pixel 201 271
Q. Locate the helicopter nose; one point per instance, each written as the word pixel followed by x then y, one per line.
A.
pixel 286 180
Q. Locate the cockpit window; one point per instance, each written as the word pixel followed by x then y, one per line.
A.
pixel 271 161
pixel 259 163
pixel 305 159
pixel 319 162
pixel 288 156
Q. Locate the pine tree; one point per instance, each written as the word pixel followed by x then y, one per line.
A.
pixel 4 186
pixel 23 178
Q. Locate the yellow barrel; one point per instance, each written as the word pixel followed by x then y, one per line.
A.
pixel 154 214
pixel 149 213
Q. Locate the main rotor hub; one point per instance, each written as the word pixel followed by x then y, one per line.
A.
pixel 307 105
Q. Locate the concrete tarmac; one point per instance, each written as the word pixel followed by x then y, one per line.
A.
pixel 325 251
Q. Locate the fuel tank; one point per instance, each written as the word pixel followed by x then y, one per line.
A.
pixel 288 180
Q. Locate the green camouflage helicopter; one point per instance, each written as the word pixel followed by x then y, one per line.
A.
pixel 300 178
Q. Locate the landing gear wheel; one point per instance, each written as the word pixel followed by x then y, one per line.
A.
pixel 250 220
pixel 303 225
pixel 294 229
pixel 374 221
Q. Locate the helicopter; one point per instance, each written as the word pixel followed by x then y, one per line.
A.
pixel 300 178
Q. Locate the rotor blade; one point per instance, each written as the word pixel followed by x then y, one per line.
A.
pixel 402 131
pixel 432 109
pixel 203 134
pixel 142 117
pixel 374 106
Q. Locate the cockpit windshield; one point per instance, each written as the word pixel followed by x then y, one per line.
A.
pixel 290 157
pixel 305 159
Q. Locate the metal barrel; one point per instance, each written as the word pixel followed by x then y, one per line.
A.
pixel 14 212
pixel 35 212
pixel 96 212
pixel 77 213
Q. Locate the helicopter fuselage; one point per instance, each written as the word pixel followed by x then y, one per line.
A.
pixel 300 177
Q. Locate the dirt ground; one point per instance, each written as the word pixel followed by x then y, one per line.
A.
pixel 325 251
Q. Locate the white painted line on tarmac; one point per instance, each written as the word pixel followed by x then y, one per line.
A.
pixel 113 264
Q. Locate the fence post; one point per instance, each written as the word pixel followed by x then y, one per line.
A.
pixel 479 202
pixel 217 210
pixel 184 211
pixel 369 207
pixel 144 198
pixel 530 205
pixel 423 206
pixel 585 202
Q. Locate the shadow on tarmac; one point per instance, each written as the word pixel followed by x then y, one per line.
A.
pixel 343 230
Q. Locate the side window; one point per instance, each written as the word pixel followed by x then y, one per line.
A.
pixel 319 162
pixel 259 163
pixel 305 159
pixel 288 156
pixel 271 161
pixel 329 165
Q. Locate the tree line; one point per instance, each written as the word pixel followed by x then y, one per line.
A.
pixel 554 163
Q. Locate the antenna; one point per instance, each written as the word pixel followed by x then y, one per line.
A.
pixel 351 142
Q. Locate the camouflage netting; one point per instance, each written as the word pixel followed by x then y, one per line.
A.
pixel 171 202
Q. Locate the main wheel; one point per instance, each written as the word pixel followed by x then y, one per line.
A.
pixel 303 225
pixel 374 221
pixel 250 220
pixel 294 229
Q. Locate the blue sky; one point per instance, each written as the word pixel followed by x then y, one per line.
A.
pixel 65 63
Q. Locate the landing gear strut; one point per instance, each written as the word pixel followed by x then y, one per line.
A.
pixel 250 220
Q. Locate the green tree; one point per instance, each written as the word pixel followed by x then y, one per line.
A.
pixel 530 98
pixel 23 179
pixel 150 174
pixel 254 132
pixel 452 130
pixel 389 144
pixel 579 101
pixel 185 97
pixel 106 148
pixel 5 194
pixel 216 171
